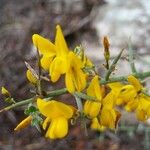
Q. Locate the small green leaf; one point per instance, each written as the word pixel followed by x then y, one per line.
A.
pixel 30 109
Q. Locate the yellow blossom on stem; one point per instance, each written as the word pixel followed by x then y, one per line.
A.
pixel 135 99
pixel 92 109
pixel 109 117
pixel 75 78
pixel 57 115
pixel 24 123
pixel 59 64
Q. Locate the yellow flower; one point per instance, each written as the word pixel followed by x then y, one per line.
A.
pixel 96 125
pixel 59 64
pixel 109 117
pixel 30 76
pixel 57 114
pixel 92 109
pixel 135 99
pixel 5 92
pixel 75 78
pixel 23 124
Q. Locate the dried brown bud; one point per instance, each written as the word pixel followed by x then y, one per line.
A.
pixel 106 43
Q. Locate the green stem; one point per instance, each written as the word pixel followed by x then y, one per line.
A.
pixel 124 78
pixel 79 103
pixel 57 92
pixel 23 102
pixel 113 65
pixel 84 96
pixel 79 94
pixel 27 101
pixel 131 58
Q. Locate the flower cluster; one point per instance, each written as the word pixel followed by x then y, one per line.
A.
pixel 97 98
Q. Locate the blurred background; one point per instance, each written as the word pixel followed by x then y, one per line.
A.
pixel 84 22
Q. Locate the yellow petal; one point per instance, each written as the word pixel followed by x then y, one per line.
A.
pixel 58 128
pixel 91 109
pixel 143 108
pixel 132 105
pixel 31 77
pixel 115 86
pixel 58 67
pixel 141 115
pixel 69 82
pixel 119 101
pixel 23 124
pixel 75 78
pixel 144 103
pixel 74 61
pixel 51 130
pixel 109 100
pixel 43 45
pixel 127 93
pixel 79 79
pixel 46 123
pixel 45 62
pixel 85 60
pixel 109 118
pixel 135 82
pixel 96 125
pixel 94 89
pixel 54 109
pixel 61 45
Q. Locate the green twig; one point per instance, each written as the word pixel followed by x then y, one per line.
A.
pixel 79 103
pixel 84 96
pixel 124 78
pixel 23 102
pixel 57 92
pixel 113 65
pixel 131 57
pixel 81 95
pixel 27 101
